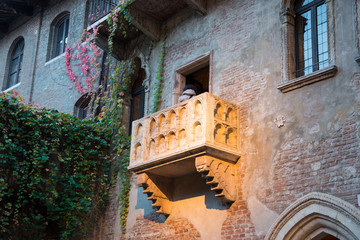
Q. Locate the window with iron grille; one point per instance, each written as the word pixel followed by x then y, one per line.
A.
pixel 61 36
pixel 311 41
pixel 15 64
pixel 99 9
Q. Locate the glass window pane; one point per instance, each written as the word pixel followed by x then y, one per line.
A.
pixel 19 48
pixel 11 80
pixel 306 2
pixel 60 31
pixel 304 43
pixel 301 3
pixel 322 36
pixel 65 39
pixel 61 36
pixel 15 64
pixel 312 39
pixel 21 58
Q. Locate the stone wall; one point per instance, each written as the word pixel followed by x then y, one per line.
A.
pixel 292 144
pixel 51 85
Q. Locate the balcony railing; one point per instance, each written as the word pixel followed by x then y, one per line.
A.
pixel 204 124
pixel 100 8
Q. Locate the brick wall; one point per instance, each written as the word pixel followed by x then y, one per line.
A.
pixel 329 165
pixel 227 32
pixel 317 150
pixel 173 229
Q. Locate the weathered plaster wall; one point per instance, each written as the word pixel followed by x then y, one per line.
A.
pixel 317 149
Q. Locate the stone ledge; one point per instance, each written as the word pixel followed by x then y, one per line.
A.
pixel 11 88
pixel 308 79
pixel 357 59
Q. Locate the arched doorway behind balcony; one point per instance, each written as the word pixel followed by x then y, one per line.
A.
pixel 135 95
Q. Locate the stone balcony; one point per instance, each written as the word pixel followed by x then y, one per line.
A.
pixel 204 124
pixel 197 135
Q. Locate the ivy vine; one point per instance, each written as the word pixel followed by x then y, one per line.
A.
pixel 120 11
pixel 159 79
pixel 111 116
pixel 54 172
pixel 106 104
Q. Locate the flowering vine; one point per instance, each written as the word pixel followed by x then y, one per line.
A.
pixel 87 57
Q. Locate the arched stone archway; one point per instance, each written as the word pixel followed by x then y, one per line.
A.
pixel 317 216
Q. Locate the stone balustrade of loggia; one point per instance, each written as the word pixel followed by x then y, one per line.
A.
pixel 202 124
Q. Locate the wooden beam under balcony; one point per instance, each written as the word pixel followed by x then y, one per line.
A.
pixel 148 25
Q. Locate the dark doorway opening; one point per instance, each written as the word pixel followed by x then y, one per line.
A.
pixel 199 79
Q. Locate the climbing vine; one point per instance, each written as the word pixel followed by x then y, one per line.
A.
pixel 120 11
pixel 53 172
pixel 107 98
pixel 159 79
pixel 112 116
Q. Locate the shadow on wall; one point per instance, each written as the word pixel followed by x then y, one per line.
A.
pixel 149 211
pixel 183 191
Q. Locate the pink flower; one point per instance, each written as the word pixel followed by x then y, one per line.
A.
pixel 95 31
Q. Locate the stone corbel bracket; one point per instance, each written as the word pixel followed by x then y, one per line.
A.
pixel 157 196
pixel 220 175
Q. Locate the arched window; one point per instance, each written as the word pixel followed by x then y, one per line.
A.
pixel 312 51
pixel 61 33
pixel 15 64
pixel 82 106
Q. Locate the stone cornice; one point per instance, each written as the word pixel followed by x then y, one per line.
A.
pixel 308 79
